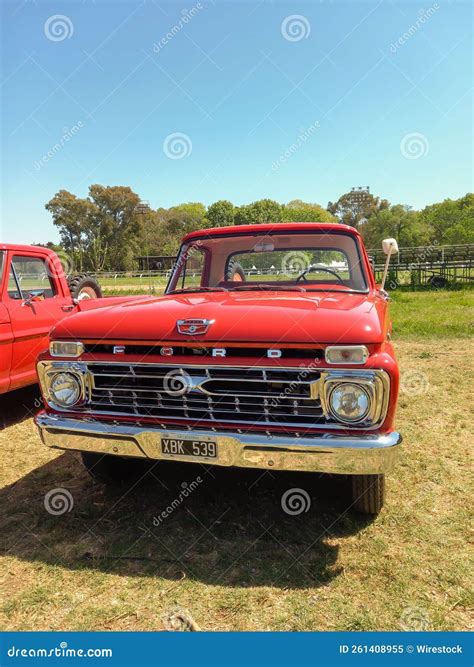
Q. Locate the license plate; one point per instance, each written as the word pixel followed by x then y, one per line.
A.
pixel 200 449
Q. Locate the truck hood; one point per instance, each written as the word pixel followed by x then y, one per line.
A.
pixel 247 317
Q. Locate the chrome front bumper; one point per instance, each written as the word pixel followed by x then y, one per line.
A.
pixel 347 455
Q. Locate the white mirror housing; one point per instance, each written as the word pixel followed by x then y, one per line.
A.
pixel 390 246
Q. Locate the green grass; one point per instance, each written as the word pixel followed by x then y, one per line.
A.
pixel 432 314
pixel 133 281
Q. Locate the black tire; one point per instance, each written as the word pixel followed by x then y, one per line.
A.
pixel 438 282
pixel 368 493
pixel 235 272
pixel 113 470
pixel 83 286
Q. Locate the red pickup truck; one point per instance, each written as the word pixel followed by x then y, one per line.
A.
pixel 269 349
pixel 34 296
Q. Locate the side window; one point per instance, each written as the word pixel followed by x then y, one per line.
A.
pixel 192 271
pixel 29 276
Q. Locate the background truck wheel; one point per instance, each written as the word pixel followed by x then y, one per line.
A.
pixel 368 493
pixel 83 286
pixel 235 272
pixel 438 282
pixel 113 470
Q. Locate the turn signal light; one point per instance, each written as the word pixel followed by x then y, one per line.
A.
pixel 346 354
pixel 59 348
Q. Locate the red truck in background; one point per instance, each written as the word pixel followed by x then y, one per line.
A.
pixel 35 295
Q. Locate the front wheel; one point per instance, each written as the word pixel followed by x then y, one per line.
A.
pixel 368 493
pixel 113 470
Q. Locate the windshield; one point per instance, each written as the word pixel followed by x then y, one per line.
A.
pixel 281 260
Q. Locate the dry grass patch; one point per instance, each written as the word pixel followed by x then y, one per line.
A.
pixel 229 554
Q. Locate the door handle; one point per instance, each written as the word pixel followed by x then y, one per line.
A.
pixel 67 308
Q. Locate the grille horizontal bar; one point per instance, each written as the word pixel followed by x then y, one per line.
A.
pixel 264 396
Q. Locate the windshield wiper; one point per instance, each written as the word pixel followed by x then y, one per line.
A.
pixel 270 288
pixel 188 290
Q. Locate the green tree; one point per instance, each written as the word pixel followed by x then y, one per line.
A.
pixel 221 213
pixel 100 231
pixel 259 212
pixel 300 211
pixel 71 216
pixel 451 221
pixel 397 222
pixel 353 207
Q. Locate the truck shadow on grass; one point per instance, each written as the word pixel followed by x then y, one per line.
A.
pixel 224 527
pixel 16 406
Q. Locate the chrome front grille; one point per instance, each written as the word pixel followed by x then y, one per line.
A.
pixel 206 394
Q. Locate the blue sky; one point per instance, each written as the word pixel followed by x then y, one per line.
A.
pixel 275 99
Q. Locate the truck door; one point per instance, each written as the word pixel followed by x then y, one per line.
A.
pixel 6 336
pixel 35 302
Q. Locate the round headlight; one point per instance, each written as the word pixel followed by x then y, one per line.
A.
pixel 349 402
pixel 65 389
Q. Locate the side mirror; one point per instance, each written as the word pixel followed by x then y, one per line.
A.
pixel 389 246
pixel 33 297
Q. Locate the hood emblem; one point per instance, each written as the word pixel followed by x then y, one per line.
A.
pixel 195 327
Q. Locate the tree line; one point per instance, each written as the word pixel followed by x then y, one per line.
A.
pixel 109 228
